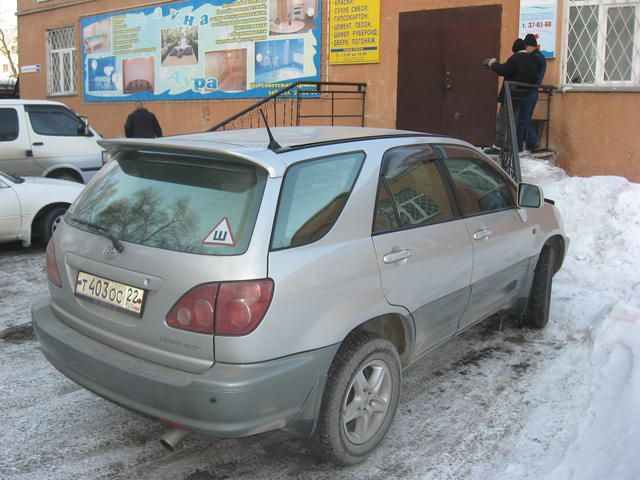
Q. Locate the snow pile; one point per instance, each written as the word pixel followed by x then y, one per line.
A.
pixel 607 438
pixel 602 271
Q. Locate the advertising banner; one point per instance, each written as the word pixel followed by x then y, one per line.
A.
pixel 201 49
pixel 540 18
pixel 354 31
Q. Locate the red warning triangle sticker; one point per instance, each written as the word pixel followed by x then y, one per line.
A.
pixel 221 235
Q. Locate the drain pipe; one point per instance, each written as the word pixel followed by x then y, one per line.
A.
pixel 172 437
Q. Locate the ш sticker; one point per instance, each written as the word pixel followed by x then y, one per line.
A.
pixel 220 235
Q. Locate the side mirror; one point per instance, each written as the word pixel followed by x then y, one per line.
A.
pixel 530 196
pixel 83 127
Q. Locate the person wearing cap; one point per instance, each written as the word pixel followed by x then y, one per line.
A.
pixel 520 67
pixel 530 133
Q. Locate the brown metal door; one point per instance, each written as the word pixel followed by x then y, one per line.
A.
pixel 441 86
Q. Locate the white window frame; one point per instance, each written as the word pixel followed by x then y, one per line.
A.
pixel 59 55
pixel 600 84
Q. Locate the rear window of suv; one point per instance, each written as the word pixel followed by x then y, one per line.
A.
pixel 174 202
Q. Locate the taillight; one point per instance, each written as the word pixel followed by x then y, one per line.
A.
pixel 52 268
pixel 233 308
pixel 241 306
pixel 194 311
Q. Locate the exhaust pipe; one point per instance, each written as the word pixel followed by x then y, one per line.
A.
pixel 172 437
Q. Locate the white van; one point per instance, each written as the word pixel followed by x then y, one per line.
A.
pixel 39 137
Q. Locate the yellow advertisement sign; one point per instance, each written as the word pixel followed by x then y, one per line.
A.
pixel 354 31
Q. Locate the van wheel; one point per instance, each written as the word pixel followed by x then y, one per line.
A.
pixel 49 222
pixel 360 399
pixel 537 313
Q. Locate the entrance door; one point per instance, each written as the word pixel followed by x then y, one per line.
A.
pixel 442 88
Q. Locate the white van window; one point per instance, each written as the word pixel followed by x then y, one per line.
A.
pixel 8 124
pixel 55 121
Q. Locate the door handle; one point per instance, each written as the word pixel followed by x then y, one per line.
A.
pixel 482 234
pixel 37 144
pixel 396 256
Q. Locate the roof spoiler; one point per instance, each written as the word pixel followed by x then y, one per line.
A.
pixel 275 167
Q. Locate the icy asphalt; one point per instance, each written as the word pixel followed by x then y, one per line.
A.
pixel 497 402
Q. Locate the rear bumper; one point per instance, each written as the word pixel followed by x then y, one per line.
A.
pixel 227 400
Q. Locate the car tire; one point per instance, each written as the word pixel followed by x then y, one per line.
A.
pixel 537 313
pixel 49 222
pixel 364 383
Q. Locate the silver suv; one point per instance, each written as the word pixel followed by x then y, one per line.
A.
pixel 228 288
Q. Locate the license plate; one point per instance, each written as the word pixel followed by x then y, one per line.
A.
pixel 112 293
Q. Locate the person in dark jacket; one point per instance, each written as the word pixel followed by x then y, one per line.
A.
pixel 531 134
pixel 520 67
pixel 141 123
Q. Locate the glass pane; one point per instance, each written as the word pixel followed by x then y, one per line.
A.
pixel 8 124
pixel 620 32
pixel 186 204
pixel 479 187
pixel 54 121
pixel 66 71
pixel 72 72
pixel 54 73
pixel 61 38
pixel 312 198
pixel 416 186
pixel 583 35
pixel 385 218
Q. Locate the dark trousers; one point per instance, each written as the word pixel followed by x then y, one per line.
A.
pixel 530 131
pixel 502 125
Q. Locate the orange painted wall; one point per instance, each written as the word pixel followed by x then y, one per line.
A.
pixel 597 133
pixel 593 133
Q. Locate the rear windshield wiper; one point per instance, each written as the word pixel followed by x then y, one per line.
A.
pixel 105 232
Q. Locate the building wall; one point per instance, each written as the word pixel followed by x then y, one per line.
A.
pixel 597 133
pixel 594 133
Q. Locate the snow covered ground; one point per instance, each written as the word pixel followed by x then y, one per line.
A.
pixel 562 403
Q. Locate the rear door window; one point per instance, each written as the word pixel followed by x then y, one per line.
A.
pixel 313 195
pixel 411 191
pixel 8 124
pixel 181 203
pixel 54 121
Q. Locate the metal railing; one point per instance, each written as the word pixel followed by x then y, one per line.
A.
pixel 509 156
pixel 327 103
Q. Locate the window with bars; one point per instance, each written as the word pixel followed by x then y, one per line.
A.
pixel 61 58
pixel 603 43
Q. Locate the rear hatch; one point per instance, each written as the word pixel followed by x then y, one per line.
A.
pixel 182 221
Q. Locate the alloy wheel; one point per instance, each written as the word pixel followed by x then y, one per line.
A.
pixel 367 402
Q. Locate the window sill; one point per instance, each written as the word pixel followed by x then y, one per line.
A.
pixel 58 95
pixel 600 89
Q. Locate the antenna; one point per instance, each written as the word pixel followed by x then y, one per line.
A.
pixel 273 145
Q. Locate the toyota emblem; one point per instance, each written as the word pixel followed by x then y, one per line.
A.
pixel 110 252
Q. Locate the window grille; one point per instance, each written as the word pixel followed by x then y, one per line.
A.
pixel 61 57
pixel 602 43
